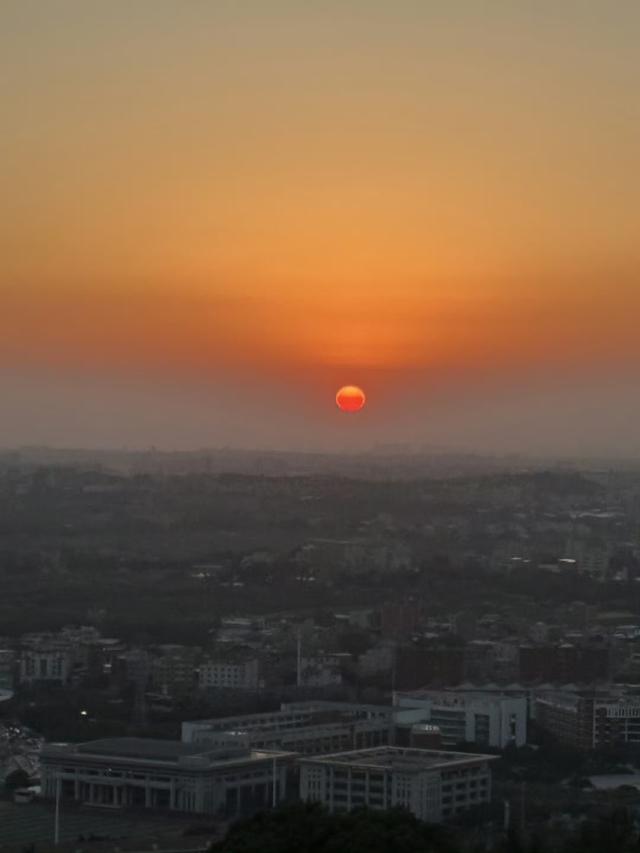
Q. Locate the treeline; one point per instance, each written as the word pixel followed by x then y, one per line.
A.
pixel 309 828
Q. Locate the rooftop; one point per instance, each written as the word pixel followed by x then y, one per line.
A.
pixel 139 747
pixel 455 698
pixel 301 713
pixel 160 751
pixel 396 758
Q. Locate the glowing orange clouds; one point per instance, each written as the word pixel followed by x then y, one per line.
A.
pixel 350 398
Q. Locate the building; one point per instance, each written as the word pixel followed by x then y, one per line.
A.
pixel 225 780
pixel 491 660
pixel 174 671
pixel 324 669
pixel 231 673
pixel 49 663
pixel 238 629
pixel 589 721
pixel 133 667
pixel 7 669
pixel 432 785
pixel 376 661
pixel 486 719
pixel 424 736
pixel 305 727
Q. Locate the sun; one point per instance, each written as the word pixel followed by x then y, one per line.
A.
pixel 350 398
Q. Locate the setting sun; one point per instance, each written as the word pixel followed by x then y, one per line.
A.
pixel 350 398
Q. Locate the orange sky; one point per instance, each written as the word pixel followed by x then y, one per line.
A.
pixel 192 190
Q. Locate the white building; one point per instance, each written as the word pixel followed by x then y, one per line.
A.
pixel 230 673
pixel 302 727
pixel 432 785
pixel 485 719
pixel 226 780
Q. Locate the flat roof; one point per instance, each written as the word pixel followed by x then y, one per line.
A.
pixel 398 758
pixel 146 751
pixel 455 696
pixel 139 747
pixel 292 711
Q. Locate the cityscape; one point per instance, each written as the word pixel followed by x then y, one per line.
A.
pixel 319 445
pixel 465 647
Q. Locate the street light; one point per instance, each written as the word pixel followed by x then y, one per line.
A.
pixel 56 822
pixel 274 791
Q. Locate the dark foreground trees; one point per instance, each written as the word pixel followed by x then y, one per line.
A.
pixel 309 828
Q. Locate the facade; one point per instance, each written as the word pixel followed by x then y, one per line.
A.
pixel 323 670
pixel 174 671
pixel 307 728
pixel 432 785
pixel 7 669
pixel 491 660
pixel 48 663
pixel 486 719
pixel 377 660
pixel 226 780
pixel 230 674
pixel 589 721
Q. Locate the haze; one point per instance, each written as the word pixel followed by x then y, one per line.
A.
pixel 213 215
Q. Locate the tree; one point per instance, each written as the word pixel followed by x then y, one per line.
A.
pixel 309 828
pixel 18 778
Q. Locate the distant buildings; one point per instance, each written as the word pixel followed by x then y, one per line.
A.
pixel 589 721
pixel 72 654
pixel 174 671
pixel 231 672
pixel 432 785
pixel 7 669
pixel 303 727
pixel 324 669
pixel 485 719
pixel 49 663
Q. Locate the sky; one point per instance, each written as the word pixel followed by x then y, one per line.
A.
pixel 214 213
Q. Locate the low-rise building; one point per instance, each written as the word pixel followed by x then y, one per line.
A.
pixel 229 672
pixel 432 785
pixel 7 669
pixel 174 670
pixel 304 727
pixel 48 663
pixel 225 780
pixel 324 669
pixel 486 719
pixel 589 721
